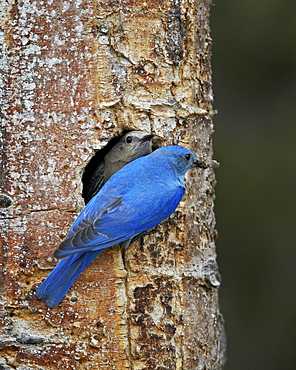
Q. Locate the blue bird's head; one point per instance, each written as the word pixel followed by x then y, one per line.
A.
pixel 181 158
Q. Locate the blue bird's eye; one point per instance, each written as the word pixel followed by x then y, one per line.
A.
pixel 187 157
pixel 128 139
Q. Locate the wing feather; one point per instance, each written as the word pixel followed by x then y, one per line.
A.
pixel 84 235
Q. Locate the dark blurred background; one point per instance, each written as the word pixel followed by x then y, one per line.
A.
pixel 254 76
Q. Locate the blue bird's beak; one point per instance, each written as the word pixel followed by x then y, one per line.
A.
pixel 199 164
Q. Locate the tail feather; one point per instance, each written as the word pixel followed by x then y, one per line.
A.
pixel 59 281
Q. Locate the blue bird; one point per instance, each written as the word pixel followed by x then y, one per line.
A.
pixel 138 197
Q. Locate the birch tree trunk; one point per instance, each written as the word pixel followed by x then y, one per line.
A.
pixel 76 74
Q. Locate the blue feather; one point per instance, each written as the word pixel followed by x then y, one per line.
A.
pixel 56 285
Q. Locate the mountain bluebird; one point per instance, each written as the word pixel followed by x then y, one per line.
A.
pixel 131 146
pixel 138 197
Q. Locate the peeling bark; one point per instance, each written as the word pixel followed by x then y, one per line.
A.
pixel 76 74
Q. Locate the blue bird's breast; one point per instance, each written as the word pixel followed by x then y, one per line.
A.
pixel 152 207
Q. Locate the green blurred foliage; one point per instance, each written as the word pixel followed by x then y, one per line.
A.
pixel 254 75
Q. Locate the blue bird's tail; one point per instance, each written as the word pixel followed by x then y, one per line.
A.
pixel 59 281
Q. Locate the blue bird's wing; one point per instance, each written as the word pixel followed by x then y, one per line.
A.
pixel 120 219
pixel 88 232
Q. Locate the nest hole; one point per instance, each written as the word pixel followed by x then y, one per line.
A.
pixel 94 163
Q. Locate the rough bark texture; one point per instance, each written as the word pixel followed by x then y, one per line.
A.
pixel 74 75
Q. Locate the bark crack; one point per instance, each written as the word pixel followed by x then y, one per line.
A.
pixel 74 212
pixel 128 323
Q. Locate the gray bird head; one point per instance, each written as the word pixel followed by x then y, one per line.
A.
pixel 131 146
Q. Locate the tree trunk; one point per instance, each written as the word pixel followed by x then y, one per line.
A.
pixel 76 74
